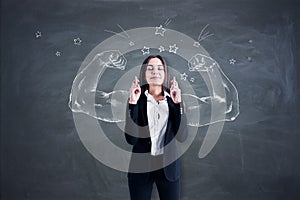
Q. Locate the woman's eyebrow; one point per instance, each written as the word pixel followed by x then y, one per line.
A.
pixel 156 65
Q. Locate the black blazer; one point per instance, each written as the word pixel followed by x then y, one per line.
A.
pixel 137 134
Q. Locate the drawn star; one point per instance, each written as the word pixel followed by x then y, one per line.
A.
pixel 145 50
pixel 232 61
pixel 173 49
pixel 161 49
pixel 196 44
pixel 57 53
pixel 38 34
pixel 131 43
pixel 77 41
pixel 183 76
pixel 160 31
pixel 192 80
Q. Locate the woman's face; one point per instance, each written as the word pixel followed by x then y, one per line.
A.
pixel 155 72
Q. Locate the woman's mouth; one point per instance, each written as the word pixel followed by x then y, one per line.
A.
pixel 154 78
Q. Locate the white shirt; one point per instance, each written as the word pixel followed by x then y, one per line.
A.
pixel 158 114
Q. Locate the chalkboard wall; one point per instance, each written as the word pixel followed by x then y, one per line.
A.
pixel 255 42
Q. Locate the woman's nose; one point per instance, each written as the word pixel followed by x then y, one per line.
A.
pixel 155 70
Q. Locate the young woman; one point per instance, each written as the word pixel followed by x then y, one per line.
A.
pixel 155 116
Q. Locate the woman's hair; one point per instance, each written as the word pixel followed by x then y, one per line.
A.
pixel 143 81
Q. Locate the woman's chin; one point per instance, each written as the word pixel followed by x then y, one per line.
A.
pixel 155 83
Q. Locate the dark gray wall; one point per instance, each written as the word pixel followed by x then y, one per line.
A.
pixel 257 156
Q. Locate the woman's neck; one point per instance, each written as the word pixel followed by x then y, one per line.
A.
pixel 156 91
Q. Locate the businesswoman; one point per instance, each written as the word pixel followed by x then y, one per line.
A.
pixel 155 118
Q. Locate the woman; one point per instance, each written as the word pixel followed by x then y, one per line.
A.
pixel 155 116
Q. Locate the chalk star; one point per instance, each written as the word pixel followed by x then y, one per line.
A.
pixel 232 61
pixel 160 30
pixel 131 43
pixel 173 48
pixel 196 44
pixel 38 34
pixel 183 76
pixel 57 53
pixel 145 50
pixel 161 49
pixel 192 80
pixel 77 41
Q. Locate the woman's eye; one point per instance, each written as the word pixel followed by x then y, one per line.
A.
pixel 151 68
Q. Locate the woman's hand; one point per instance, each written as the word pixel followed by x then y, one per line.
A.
pixel 135 91
pixel 175 91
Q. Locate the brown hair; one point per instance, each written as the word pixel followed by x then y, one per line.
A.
pixel 143 81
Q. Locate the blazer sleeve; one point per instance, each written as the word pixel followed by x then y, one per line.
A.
pixel 131 124
pixel 180 122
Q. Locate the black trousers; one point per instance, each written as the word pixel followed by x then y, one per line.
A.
pixel 167 190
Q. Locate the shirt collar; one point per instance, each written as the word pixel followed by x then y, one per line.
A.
pixel 148 94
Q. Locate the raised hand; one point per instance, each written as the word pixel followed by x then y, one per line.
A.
pixel 135 91
pixel 175 92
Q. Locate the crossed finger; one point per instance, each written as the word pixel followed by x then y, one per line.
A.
pixel 135 82
pixel 174 83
